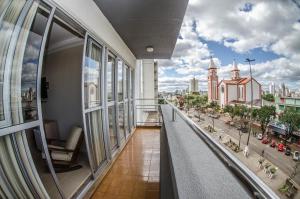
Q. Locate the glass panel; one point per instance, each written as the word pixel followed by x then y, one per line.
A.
pixel 131 115
pixel 120 80
pixel 38 155
pixel 8 20
pixel 22 166
pixel 126 78
pixel 132 84
pixel 121 121
pixel 94 123
pixel 92 74
pixel 126 118
pixel 21 64
pixel 110 78
pixel 112 122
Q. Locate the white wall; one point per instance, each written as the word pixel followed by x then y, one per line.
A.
pixel 63 72
pixel 256 91
pixel 88 14
pixel 148 78
pixel 222 95
pixel 232 92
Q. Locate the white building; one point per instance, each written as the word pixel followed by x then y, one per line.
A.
pixel 236 90
pixel 194 85
pixel 272 88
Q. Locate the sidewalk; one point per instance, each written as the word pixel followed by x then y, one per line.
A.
pixel 252 163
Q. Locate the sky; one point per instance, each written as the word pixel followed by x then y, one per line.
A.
pixel 267 31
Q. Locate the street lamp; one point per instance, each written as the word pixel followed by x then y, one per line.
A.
pixel 249 61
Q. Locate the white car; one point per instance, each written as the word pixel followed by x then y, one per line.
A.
pixel 296 155
pixel 259 136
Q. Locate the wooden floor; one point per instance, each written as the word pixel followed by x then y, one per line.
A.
pixel 135 174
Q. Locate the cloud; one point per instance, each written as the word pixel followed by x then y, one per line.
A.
pixel 243 26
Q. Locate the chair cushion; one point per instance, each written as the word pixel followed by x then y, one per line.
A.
pixel 62 156
pixel 55 147
pixel 73 138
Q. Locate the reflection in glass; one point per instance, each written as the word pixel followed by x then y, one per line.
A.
pixel 121 121
pixel 22 64
pixel 110 78
pixel 94 123
pixel 36 148
pixel 126 120
pixel 20 183
pixel 92 75
pixel 120 80
pixel 126 82
pixel 132 84
pixel 112 131
pixel 10 12
pixel 131 115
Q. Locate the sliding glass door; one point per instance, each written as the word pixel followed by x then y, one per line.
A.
pixel 93 103
pixel 23 30
pixel 111 100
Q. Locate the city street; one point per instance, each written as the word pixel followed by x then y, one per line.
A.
pixel 283 162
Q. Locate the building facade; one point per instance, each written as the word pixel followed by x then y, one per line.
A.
pixel 194 85
pixel 212 82
pixel 236 90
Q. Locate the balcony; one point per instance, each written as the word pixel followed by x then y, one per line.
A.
pixel 135 174
pixel 178 161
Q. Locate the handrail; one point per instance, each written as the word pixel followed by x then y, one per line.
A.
pixel 258 187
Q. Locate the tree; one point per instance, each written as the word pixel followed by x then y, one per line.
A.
pixel 230 110
pixel 264 116
pixel 268 97
pixel 291 119
pixel 188 101
pixel 198 103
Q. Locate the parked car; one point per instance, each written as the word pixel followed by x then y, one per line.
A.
pixel 273 144
pixel 288 151
pixel 265 140
pixel 296 155
pixel 280 147
pixel 259 136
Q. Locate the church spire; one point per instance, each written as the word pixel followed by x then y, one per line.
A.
pixel 235 67
pixel 212 64
pixel 235 71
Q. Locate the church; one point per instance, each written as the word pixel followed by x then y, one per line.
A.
pixel 236 90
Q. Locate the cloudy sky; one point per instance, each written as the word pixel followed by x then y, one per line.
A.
pixel 267 31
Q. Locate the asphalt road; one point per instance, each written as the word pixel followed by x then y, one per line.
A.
pixel 279 159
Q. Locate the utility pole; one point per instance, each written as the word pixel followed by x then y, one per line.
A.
pixel 249 61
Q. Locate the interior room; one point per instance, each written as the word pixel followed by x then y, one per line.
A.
pixel 62 106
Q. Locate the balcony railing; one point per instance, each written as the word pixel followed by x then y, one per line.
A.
pixel 194 164
pixel 147 111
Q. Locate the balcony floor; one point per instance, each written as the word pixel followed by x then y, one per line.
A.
pixel 135 174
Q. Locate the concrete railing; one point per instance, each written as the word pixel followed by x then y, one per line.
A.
pixel 197 166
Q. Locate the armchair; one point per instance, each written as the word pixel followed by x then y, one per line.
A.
pixel 64 157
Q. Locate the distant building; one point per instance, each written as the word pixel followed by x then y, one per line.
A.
pixel 283 90
pixel 194 86
pixel 236 90
pixel 272 88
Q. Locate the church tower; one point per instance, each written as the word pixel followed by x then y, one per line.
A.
pixel 235 72
pixel 212 81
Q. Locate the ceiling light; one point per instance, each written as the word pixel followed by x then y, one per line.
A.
pixel 149 49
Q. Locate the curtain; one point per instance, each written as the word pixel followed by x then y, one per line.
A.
pixel 97 137
pixel 11 172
